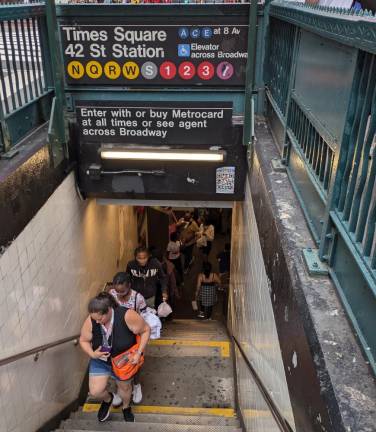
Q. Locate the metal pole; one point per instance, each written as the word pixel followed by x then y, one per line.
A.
pixel 250 74
pixel 5 140
pixel 286 147
pixel 58 116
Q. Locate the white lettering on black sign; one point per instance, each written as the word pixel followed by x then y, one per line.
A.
pixel 170 123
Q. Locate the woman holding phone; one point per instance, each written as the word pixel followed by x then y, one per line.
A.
pixel 125 296
pixel 109 331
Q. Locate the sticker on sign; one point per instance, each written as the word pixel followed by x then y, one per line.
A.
pixel 225 180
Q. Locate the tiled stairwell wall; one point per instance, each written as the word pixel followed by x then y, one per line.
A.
pixel 62 258
pixel 252 323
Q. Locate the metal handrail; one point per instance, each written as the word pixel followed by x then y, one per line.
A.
pixel 282 423
pixel 37 350
pixel 44 347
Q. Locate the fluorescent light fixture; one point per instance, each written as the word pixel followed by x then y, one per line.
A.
pixel 163 155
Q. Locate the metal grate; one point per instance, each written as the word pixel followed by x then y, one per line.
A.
pixel 22 77
pixel 356 202
pixel 281 46
pixel 316 151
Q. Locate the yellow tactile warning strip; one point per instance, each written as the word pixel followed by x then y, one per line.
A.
pixel 144 409
pixel 256 413
pixel 224 346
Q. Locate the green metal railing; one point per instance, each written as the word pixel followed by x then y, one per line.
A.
pixel 333 171
pixel 354 202
pixel 25 77
pixel 313 148
pixel 281 38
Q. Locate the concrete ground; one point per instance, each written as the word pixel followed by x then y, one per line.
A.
pixel 190 366
pixel 193 370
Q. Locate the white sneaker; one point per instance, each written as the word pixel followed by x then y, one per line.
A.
pixel 137 393
pixel 117 401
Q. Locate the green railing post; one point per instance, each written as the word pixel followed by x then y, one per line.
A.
pixel 339 163
pixel 57 131
pixel 5 141
pixel 286 146
pixel 250 74
pixel 47 66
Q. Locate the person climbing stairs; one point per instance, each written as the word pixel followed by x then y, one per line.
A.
pixel 187 383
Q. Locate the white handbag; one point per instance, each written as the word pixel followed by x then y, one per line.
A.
pixel 164 310
pixel 150 317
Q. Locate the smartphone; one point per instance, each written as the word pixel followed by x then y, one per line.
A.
pixel 105 349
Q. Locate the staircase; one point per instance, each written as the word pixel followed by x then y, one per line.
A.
pixel 82 421
pixel 187 383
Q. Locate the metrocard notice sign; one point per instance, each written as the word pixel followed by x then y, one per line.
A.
pixel 212 52
pixel 150 123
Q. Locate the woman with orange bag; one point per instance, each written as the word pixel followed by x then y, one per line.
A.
pixel 115 338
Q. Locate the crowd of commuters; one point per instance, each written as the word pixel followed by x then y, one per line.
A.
pixel 197 229
pixel 121 319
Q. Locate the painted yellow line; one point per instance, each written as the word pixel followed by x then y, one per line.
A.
pixel 145 409
pixel 252 413
pixel 223 345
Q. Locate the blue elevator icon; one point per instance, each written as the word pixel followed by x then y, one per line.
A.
pixel 184 50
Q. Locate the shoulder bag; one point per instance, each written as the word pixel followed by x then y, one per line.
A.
pixel 122 368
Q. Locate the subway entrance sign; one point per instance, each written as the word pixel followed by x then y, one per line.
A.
pixel 136 139
pixel 211 51
pixel 160 150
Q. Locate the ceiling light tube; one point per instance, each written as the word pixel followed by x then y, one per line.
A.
pixel 163 155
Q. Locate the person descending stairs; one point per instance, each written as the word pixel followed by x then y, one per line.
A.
pixel 187 382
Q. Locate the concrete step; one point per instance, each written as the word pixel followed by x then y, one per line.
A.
pixel 188 382
pixel 177 349
pixel 121 426
pixel 165 418
pixel 195 330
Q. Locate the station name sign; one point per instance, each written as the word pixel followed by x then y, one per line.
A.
pixel 212 52
pixel 155 123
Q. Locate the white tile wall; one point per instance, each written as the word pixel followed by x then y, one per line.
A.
pixel 61 259
pixel 252 318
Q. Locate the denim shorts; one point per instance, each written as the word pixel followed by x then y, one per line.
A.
pixel 101 368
